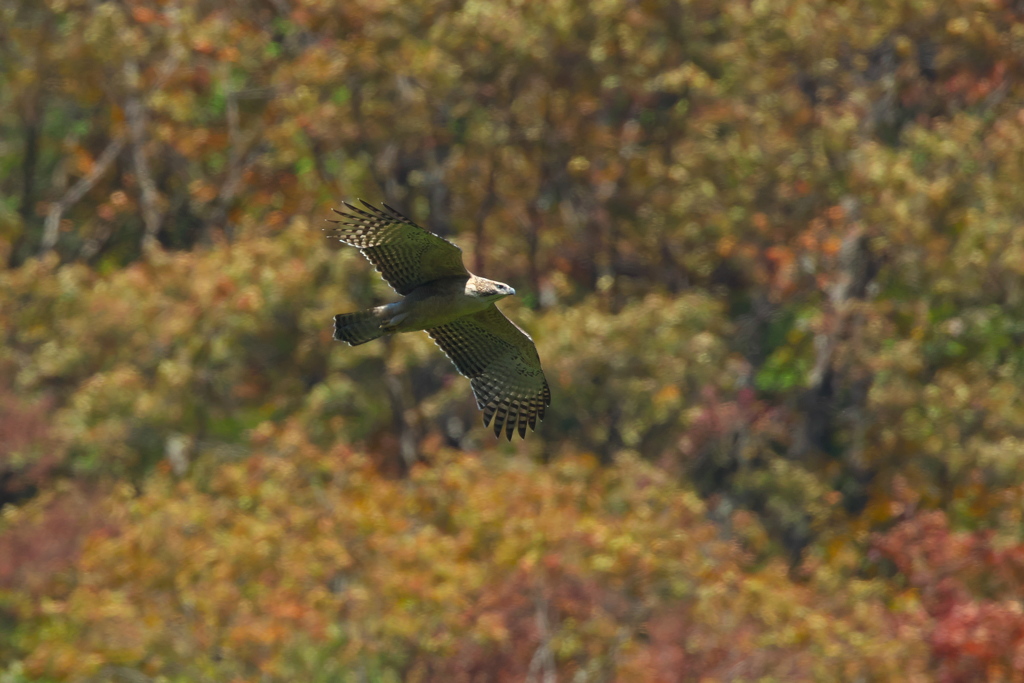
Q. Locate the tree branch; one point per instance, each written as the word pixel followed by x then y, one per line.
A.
pixel 240 144
pixel 136 124
pixel 135 114
pixel 52 225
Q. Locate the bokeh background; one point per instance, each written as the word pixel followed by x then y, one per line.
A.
pixel 772 254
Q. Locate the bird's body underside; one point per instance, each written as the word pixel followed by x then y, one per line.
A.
pixel 453 306
pixel 431 305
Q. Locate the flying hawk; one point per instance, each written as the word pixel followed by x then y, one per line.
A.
pixel 453 306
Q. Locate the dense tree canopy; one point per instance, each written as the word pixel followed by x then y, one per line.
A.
pixel 772 255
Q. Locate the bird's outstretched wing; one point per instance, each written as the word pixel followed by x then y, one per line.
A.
pixel 502 365
pixel 405 254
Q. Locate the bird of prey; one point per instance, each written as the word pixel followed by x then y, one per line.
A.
pixel 453 306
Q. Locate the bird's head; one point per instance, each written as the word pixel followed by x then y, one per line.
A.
pixel 489 290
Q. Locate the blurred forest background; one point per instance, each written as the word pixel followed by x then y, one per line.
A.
pixel 772 254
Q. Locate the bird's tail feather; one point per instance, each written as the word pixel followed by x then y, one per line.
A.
pixel 360 327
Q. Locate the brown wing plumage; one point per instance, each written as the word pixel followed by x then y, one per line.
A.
pixel 405 254
pixel 502 365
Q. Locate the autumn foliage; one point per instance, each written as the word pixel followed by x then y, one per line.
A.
pixel 771 254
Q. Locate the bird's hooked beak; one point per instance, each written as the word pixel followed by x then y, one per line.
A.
pixel 511 291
